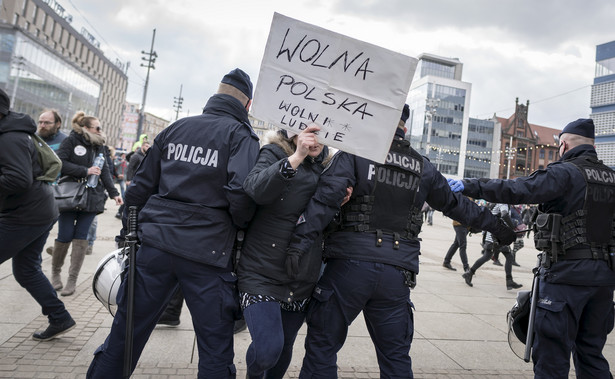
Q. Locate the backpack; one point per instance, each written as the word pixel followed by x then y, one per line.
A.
pixel 49 162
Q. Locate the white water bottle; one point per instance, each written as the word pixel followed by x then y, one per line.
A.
pixel 93 179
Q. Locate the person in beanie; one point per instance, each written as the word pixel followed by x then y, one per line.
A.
pixel 373 257
pixel 27 214
pixel 577 271
pixel 192 203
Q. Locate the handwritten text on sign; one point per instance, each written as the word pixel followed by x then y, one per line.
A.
pixel 353 90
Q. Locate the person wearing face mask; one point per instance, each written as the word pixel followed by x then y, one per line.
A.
pixel 77 153
pixel 273 299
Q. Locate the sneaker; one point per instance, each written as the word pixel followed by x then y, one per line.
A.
pixel 54 330
pixel 497 262
pixel 467 276
pixel 118 215
pixel 49 250
pixel 240 325
pixel 448 266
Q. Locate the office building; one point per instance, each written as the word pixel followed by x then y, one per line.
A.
pixel 46 63
pixel 439 122
pixel 603 102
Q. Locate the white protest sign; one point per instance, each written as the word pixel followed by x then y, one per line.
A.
pixel 353 90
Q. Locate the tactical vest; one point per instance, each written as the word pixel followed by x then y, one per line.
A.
pixel 389 208
pixel 591 226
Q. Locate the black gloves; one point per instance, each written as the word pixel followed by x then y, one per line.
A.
pixel 504 234
pixel 293 256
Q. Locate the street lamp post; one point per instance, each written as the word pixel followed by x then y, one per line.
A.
pixel 431 106
pixel 19 62
pixel 510 154
pixel 177 102
pixel 150 59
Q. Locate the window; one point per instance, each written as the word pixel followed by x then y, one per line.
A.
pixel 542 154
pixel 550 155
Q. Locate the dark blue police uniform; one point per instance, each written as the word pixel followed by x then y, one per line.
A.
pixel 373 256
pixel 189 189
pixel 575 303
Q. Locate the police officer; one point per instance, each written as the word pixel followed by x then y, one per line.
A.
pixel 575 231
pixel 189 187
pixel 372 258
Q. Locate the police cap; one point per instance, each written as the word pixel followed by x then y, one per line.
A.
pixel 240 80
pixel 582 127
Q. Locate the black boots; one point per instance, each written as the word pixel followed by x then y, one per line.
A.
pixel 467 276
pixel 511 284
pixel 448 266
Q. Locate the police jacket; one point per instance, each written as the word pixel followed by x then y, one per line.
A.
pixel 189 184
pixel 23 199
pixel 77 155
pixel 281 202
pixel 560 189
pixel 349 170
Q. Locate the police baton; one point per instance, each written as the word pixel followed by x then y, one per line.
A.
pixel 131 246
pixel 529 339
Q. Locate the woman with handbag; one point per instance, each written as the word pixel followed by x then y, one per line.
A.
pixel 78 152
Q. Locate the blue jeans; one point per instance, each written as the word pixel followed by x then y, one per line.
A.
pixel 273 331
pixel 24 243
pixel 74 225
pixel 346 288
pixel 211 296
pixel 92 231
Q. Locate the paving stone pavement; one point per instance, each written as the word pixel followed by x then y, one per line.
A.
pixel 460 332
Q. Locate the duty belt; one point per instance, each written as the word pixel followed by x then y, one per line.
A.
pixel 583 254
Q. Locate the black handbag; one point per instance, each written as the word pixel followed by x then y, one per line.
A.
pixel 71 194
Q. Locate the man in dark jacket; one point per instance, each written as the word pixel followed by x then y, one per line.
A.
pixel 576 234
pixel 27 214
pixel 189 189
pixel 373 257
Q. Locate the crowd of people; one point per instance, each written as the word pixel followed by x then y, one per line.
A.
pixel 289 233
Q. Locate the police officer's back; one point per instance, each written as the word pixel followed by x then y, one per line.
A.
pixel 189 191
pixel 576 232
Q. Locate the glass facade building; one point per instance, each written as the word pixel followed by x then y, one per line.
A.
pixel 603 102
pixel 35 79
pixel 439 122
pixel 46 63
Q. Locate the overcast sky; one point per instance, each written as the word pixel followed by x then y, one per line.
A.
pixel 542 51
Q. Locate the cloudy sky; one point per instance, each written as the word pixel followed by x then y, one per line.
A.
pixel 541 51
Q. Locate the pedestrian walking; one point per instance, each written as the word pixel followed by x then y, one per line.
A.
pixel 78 151
pixel 27 214
pixel 491 246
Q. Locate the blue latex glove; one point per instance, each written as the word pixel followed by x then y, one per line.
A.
pixel 456 185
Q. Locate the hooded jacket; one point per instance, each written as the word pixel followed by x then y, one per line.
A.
pixel 77 156
pixel 281 202
pixel 23 200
